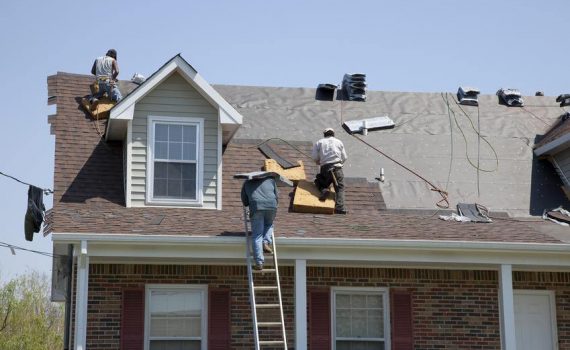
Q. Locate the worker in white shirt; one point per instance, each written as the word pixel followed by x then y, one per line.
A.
pixel 106 69
pixel 330 155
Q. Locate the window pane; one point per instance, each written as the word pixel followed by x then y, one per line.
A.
pixel 175 313
pixel 188 171
pixel 174 171
pixel 160 150
pixel 175 150
pixel 189 151
pixel 342 300
pixel 175 133
pixel 160 187
pixel 160 170
pixel 374 301
pixel 358 323
pixel 375 327
pixel 161 132
pixel 358 300
pixel 174 188
pixel 343 323
pixel 189 133
pixel 188 189
pixel 175 345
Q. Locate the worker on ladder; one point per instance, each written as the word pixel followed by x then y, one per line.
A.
pixel 262 197
pixel 106 70
pixel 329 153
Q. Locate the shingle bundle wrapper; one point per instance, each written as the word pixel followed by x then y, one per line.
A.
pixel 511 97
pixel 468 96
pixel 564 100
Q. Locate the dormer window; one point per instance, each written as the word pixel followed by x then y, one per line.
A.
pixel 174 165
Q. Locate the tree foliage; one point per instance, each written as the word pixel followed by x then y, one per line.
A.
pixel 28 319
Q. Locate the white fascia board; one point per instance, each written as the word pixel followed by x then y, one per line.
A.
pixel 327 250
pixel 552 146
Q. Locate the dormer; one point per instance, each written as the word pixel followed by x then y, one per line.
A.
pixel 173 127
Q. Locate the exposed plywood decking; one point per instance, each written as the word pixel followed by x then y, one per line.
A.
pixel 293 174
pixel 306 199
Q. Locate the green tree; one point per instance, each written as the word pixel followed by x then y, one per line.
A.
pixel 28 319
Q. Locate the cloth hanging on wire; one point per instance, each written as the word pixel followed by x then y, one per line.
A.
pixel 35 212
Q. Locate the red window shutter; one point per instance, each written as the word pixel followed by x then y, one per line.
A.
pixel 132 320
pixel 402 328
pixel 319 319
pixel 219 321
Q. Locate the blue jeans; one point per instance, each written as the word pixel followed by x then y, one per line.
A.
pixel 112 91
pixel 262 232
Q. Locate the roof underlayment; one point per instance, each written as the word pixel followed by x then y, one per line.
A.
pixel 429 137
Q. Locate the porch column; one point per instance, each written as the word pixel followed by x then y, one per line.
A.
pixel 301 304
pixel 81 297
pixel 507 308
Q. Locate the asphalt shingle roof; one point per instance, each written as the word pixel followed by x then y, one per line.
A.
pixel 89 194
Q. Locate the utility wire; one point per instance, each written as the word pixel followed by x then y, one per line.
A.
pixel 47 191
pixel 15 247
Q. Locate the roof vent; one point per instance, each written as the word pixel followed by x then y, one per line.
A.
pixel 468 96
pixel 564 100
pixel 511 97
pixel 325 92
pixel 539 93
pixel 354 87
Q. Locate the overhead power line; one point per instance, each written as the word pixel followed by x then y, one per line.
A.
pixel 13 248
pixel 46 191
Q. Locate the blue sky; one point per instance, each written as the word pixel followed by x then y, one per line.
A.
pixel 414 45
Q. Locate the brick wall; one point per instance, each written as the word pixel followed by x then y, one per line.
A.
pixel 452 309
pixel 106 283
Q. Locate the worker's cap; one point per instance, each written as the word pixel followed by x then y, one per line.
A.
pixel 112 53
pixel 328 130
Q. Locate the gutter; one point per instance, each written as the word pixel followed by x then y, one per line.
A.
pixel 322 243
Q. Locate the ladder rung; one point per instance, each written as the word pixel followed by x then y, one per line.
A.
pixel 271 342
pixel 265 287
pixel 264 270
pixel 267 306
pixel 269 324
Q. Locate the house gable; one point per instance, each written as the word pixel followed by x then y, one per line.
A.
pixel 173 102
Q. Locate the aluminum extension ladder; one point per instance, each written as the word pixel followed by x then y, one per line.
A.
pixel 268 293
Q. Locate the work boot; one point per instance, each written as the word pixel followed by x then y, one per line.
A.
pixel 258 267
pixel 324 194
pixel 267 248
pixel 341 211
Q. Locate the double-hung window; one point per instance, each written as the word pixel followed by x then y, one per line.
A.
pixel 175 166
pixel 175 317
pixel 360 319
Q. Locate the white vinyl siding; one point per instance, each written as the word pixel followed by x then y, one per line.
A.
pixel 174 97
pixel 360 319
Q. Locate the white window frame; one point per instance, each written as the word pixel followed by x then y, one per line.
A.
pixel 362 290
pixel 199 123
pixel 177 287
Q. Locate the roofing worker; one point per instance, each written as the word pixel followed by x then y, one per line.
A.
pixel 261 196
pixel 106 70
pixel 329 153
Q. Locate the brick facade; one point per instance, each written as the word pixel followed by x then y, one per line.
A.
pixel 452 309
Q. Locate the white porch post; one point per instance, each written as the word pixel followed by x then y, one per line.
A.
pixel 507 308
pixel 301 304
pixel 81 297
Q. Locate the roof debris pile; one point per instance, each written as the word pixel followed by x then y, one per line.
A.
pixel 564 100
pixel 511 97
pixel 468 96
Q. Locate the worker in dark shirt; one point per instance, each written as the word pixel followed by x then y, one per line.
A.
pixel 261 196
